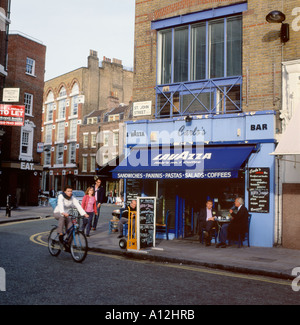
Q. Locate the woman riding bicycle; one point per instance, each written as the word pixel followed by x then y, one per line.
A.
pixel 65 202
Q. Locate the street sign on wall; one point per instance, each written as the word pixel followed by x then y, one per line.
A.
pixel 11 95
pixel 12 115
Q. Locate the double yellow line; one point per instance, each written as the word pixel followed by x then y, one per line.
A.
pixel 37 239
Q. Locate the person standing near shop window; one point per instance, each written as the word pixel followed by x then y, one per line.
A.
pixel 207 221
pixel 99 196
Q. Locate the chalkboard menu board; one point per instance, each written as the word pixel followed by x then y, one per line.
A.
pixel 146 223
pixel 259 190
pixel 133 190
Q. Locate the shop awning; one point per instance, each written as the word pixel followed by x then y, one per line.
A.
pixel 197 162
pixel 289 143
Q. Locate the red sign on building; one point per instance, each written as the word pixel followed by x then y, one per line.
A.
pixel 12 115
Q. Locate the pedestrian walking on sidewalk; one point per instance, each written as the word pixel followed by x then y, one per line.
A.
pixel 89 205
pixel 99 196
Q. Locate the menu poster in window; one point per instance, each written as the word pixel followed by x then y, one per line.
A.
pixel 259 190
pixel 133 190
pixel 146 222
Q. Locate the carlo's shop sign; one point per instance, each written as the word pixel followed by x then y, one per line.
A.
pixel 12 115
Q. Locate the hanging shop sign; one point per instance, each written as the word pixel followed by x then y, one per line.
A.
pixel 12 115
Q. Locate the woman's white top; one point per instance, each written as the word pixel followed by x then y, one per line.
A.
pixel 64 205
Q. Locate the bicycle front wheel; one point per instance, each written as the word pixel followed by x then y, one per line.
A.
pixel 79 247
pixel 53 243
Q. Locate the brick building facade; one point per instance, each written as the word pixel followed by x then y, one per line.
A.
pixel 20 157
pixel 101 140
pixel 262 50
pixel 4 28
pixel 218 69
pixel 68 100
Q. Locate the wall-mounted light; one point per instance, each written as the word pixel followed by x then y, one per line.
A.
pixel 278 17
pixel 188 119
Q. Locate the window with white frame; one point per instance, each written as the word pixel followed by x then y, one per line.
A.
pixel 48 134
pixel 28 102
pixel 112 118
pixel 115 138
pixel 73 130
pixel 26 141
pixel 30 66
pixel 60 136
pixel 106 138
pixel 94 140
pixel 85 140
pixel 84 164
pixel 49 116
pixel 62 92
pixel 47 156
pixel 60 154
pixel 92 120
pixel 74 106
pixel 72 153
pixel 93 164
pixel 62 109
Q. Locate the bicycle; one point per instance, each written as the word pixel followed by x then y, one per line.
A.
pixel 74 241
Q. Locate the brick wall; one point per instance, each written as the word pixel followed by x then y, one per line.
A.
pixel 19 48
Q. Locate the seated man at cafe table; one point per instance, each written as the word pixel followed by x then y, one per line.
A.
pixel 124 219
pixel 207 222
pixel 237 226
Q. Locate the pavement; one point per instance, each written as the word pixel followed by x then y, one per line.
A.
pixel 275 261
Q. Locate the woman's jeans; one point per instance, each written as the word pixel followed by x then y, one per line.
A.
pixel 87 223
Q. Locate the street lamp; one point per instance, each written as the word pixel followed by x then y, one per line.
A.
pixel 278 17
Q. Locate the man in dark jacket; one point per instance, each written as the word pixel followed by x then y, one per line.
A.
pixel 237 226
pixel 99 196
pixel 207 222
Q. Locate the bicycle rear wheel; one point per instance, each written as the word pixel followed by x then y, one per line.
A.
pixel 53 243
pixel 79 247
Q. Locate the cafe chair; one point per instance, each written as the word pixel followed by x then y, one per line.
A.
pixel 247 234
pixel 164 227
pixel 214 231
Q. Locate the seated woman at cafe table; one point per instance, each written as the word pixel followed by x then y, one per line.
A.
pixel 238 224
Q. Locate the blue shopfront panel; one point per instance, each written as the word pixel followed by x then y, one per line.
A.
pixel 262 224
pixel 243 127
pixel 257 128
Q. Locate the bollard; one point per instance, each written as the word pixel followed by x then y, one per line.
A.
pixel 8 206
